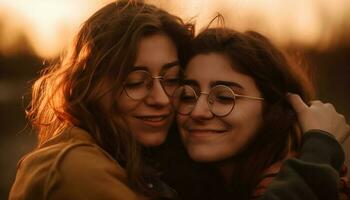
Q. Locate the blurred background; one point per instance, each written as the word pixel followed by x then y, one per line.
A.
pixel 35 31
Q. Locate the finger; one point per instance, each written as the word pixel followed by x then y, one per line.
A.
pixel 330 106
pixel 297 103
pixel 348 132
pixel 346 135
pixel 316 102
pixel 342 118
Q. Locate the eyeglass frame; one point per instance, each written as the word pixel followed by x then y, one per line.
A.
pixel 156 77
pixel 198 94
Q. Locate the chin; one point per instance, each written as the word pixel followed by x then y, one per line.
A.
pixel 207 155
pixel 152 140
pixel 200 156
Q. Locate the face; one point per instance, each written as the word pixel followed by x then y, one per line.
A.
pixel 149 118
pixel 210 138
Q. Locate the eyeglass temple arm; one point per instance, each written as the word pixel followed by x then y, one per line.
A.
pixel 250 97
pixel 238 95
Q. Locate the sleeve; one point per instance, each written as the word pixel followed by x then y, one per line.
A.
pixel 314 175
pixel 85 172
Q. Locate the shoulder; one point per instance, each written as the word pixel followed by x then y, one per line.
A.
pixel 74 169
pixel 83 159
pixel 83 167
pixel 65 154
pixel 85 171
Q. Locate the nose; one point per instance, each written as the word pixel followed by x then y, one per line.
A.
pixel 157 95
pixel 201 110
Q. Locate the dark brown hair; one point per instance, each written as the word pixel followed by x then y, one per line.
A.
pixel 254 55
pixel 69 92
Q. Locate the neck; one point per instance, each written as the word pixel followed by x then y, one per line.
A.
pixel 226 169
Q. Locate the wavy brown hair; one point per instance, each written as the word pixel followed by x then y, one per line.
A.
pixel 275 75
pixel 69 92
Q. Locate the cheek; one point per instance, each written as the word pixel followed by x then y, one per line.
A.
pixel 246 123
pixel 181 120
pixel 243 124
pixel 125 104
pixel 248 120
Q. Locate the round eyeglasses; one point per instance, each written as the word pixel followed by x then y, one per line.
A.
pixel 221 99
pixel 139 83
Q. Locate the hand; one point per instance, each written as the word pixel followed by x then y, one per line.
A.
pixel 321 116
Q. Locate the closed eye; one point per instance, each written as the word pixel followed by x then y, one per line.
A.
pixel 134 84
pixel 224 99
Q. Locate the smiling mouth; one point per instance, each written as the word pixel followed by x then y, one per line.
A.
pixel 152 118
pixel 200 132
pixel 156 121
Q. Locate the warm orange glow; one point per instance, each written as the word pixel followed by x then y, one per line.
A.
pixel 304 22
pixel 50 25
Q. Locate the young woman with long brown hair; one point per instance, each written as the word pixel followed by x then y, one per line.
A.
pixel 91 115
pixel 234 115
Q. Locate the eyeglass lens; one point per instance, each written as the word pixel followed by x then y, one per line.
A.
pixel 221 99
pixel 139 82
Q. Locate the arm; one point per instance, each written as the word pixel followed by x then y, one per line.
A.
pixel 314 175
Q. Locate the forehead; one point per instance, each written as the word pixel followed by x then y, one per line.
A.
pixel 154 51
pixel 207 64
pixel 156 41
pixel 208 68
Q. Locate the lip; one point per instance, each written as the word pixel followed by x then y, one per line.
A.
pixel 153 120
pixel 204 132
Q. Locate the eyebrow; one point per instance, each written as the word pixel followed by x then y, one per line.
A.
pixel 230 84
pixel 164 67
pixel 214 83
pixel 227 83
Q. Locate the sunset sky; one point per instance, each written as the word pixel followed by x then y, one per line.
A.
pixel 50 25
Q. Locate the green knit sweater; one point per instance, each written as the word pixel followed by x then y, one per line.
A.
pixel 314 175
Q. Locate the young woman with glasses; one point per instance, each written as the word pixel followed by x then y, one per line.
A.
pixel 101 110
pixel 234 116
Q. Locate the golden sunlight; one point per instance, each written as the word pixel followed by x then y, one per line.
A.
pixel 50 25
pixel 312 23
